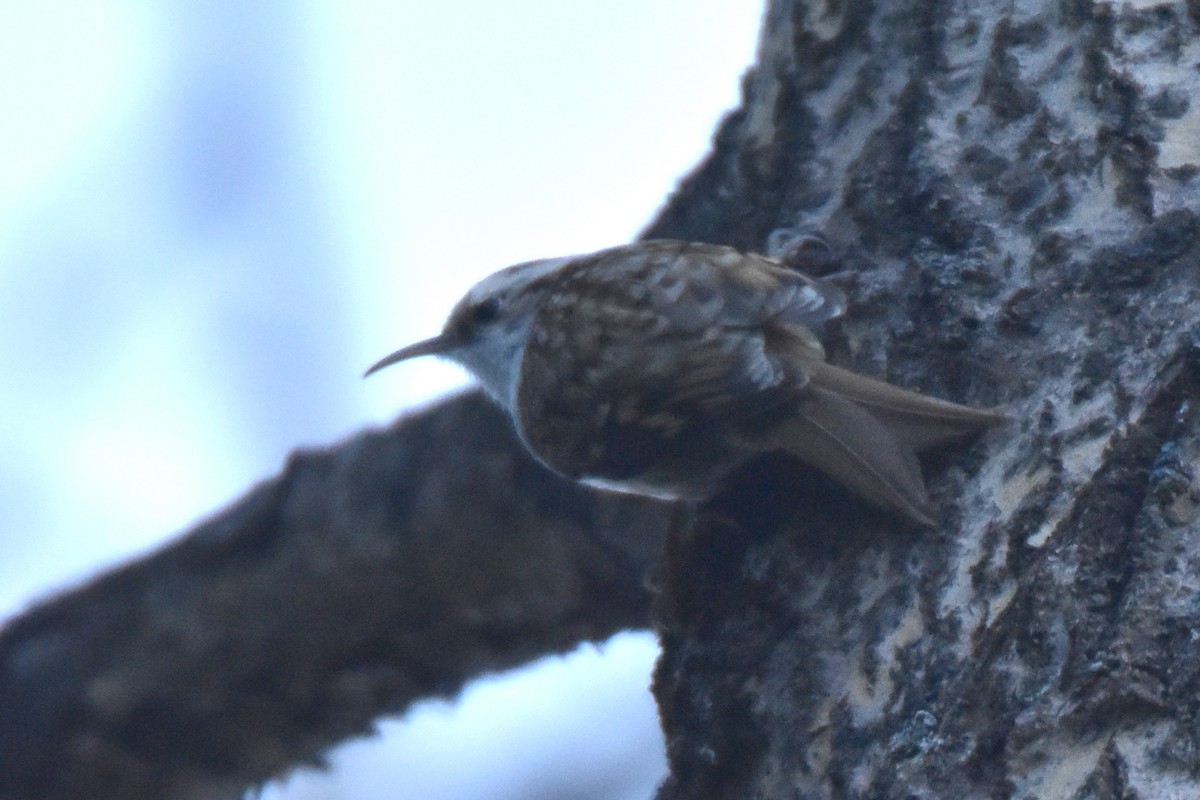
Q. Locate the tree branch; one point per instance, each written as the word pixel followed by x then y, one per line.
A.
pixel 390 568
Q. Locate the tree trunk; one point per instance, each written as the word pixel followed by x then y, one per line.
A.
pixel 1012 193
pixel 1015 189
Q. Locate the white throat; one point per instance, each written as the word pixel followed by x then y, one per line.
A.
pixel 495 360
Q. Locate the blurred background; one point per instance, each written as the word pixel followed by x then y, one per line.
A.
pixel 214 215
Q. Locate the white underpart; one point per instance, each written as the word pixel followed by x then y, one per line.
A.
pixel 496 360
pixel 629 487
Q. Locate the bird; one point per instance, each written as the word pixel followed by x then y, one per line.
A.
pixel 660 367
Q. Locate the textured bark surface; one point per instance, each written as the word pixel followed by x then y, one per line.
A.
pixel 393 567
pixel 1013 190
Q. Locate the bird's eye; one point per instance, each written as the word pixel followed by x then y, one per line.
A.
pixel 486 312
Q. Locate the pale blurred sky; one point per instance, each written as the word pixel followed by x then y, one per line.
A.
pixel 214 215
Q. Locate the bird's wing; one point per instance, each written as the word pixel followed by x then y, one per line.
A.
pixel 696 285
pixel 647 347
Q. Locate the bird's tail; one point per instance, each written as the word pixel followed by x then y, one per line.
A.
pixel 920 421
pixel 844 440
pixel 865 434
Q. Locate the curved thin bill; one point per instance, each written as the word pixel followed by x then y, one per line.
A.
pixel 426 347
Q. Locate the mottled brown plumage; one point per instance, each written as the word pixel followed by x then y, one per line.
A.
pixel 660 367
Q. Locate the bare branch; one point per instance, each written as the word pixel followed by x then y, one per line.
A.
pixel 392 567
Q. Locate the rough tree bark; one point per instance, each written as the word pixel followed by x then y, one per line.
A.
pixel 1015 188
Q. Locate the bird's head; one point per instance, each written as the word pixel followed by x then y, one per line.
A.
pixel 487 330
